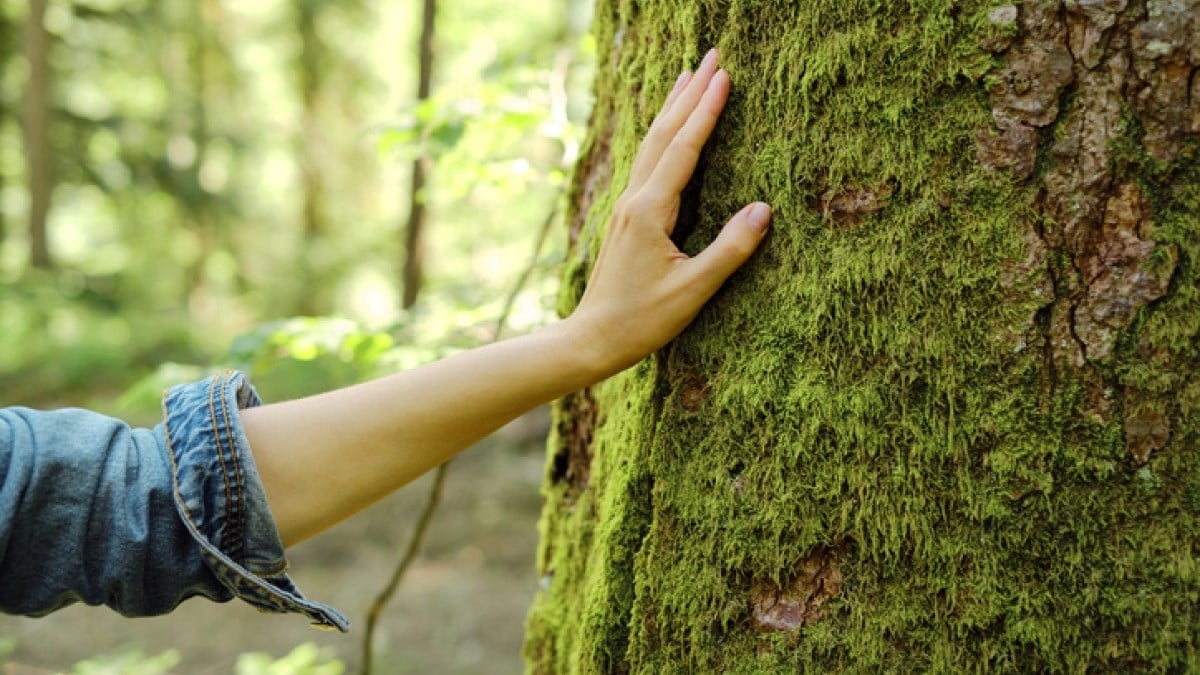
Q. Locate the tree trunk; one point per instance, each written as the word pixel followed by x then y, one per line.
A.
pixel 948 418
pixel 312 149
pixel 37 131
pixel 9 45
pixel 414 230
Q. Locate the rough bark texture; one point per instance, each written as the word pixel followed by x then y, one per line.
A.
pixel 948 418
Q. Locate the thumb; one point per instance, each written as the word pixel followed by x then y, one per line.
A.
pixel 733 246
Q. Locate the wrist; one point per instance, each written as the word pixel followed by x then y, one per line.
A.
pixel 590 354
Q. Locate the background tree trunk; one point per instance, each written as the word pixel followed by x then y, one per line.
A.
pixel 37 131
pixel 312 150
pixel 10 45
pixel 414 230
pixel 949 416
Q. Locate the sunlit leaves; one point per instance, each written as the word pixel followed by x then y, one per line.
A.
pixel 129 662
pixel 305 659
pixel 506 131
pixel 306 355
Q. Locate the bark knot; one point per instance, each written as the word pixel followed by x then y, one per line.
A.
pixel 797 603
pixel 1146 429
pixel 847 205
pixel 694 392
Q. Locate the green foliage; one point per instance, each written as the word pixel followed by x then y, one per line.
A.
pixel 306 659
pixel 223 166
pixel 130 662
pixel 58 331
pixel 304 356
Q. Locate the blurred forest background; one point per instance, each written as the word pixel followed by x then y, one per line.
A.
pixel 188 185
pixel 175 175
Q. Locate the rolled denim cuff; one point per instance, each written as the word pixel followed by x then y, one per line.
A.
pixel 220 497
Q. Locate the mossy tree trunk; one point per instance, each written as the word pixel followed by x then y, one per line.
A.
pixel 948 418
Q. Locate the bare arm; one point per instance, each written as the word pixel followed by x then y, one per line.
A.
pixel 327 457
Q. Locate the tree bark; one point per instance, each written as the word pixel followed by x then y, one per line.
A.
pixel 312 150
pixel 37 131
pixel 9 45
pixel 414 229
pixel 948 418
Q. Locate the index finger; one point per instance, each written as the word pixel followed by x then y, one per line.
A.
pixel 679 160
pixel 673 115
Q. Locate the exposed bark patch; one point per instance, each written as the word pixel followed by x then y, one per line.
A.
pixel 1096 243
pixel 1114 57
pixel 1166 59
pixel 1146 429
pixel 1088 25
pixel 1004 22
pixel 577 428
pixel 846 206
pixel 1025 96
pixel 593 175
pixel 1012 148
pixel 797 603
pixel 1118 276
pixel 694 392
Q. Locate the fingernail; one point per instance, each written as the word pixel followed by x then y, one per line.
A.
pixel 759 216
pixel 709 58
pixel 679 82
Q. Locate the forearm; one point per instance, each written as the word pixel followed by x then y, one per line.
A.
pixel 327 457
pixel 324 458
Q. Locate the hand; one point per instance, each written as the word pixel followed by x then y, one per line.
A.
pixel 325 457
pixel 643 290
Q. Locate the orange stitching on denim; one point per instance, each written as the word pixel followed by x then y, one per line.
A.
pixel 274 570
pixel 237 475
pixel 273 593
pixel 212 414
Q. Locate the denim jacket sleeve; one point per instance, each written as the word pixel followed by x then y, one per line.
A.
pixel 141 519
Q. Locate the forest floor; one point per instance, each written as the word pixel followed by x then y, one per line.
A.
pixel 460 610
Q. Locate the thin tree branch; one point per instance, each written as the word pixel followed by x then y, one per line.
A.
pixel 439 478
pixel 410 554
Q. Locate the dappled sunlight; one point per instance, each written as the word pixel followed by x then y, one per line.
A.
pixel 371 296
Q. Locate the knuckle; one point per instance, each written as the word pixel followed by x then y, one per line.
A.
pixel 655 136
pixel 641 204
pixel 733 247
pixel 688 142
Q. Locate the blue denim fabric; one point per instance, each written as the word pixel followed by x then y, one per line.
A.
pixel 141 519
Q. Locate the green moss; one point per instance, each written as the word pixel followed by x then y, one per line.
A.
pixel 876 383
